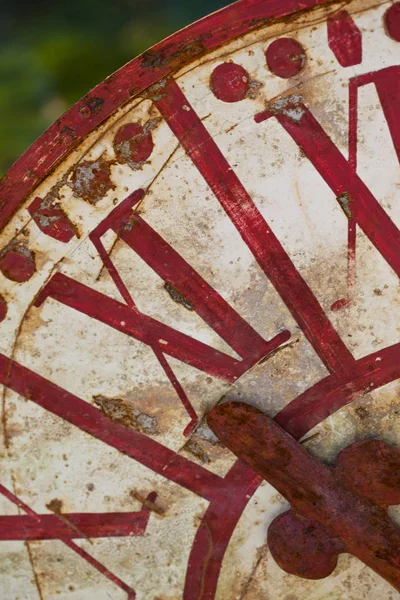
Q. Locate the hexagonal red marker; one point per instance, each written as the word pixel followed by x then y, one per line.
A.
pixel 334 510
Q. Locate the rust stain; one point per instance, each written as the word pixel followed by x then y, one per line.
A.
pixel 254 87
pixel 261 555
pixel 122 412
pixel 283 347
pixel 194 448
pixel 154 59
pixel 55 506
pixel 91 180
pixel 35 575
pixel 309 438
pixel 177 296
pixel 68 131
pixel 151 506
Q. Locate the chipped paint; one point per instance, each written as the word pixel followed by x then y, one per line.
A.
pixel 91 180
pixel 345 204
pixel 238 236
pixel 122 412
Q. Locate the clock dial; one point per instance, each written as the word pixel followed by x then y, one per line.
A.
pixel 218 216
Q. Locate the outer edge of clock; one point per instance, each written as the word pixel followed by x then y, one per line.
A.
pixel 162 60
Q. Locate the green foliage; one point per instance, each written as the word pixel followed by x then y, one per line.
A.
pixel 52 53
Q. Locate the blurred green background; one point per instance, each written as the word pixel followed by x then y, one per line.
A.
pixel 53 52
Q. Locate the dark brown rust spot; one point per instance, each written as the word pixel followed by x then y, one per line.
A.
pixel 91 107
pixel 177 296
pixel 153 59
pixel 68 131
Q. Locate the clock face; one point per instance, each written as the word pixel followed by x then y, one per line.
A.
pixel 221 215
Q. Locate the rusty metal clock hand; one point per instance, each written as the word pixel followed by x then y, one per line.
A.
pixel 334 510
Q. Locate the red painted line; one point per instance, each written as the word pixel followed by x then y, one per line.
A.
pixel 387 84
pixel 228 496
pixel 118 213
pixel 256 233
pixel 329 395
pixel 215 531
pixel 92 525
pixel 174 270
pixel 131 322
pixel 353 125
pixel 95 237
pixel 352 225
pixel 131 594
pixel 344 38
pixel 160 61
pixel 121 317
pixel 338 174
pixel 141 448
pixel 180 391
pixel 15 500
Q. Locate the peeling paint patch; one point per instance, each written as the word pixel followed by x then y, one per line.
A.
pixel 91 180
pixel 155 59
pixel 254 87
pixel 290 106
pixel 345 201
pixel 51 219
pixel 133 143
pixel 122 412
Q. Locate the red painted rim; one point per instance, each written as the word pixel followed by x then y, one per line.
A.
pixel 162 60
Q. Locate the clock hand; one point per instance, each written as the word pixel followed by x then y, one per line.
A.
pixel 315 491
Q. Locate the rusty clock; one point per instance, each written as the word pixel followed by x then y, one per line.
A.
pixel 199 320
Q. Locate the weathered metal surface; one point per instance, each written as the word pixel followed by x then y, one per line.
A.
pixel 332 510
pixel 219 215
